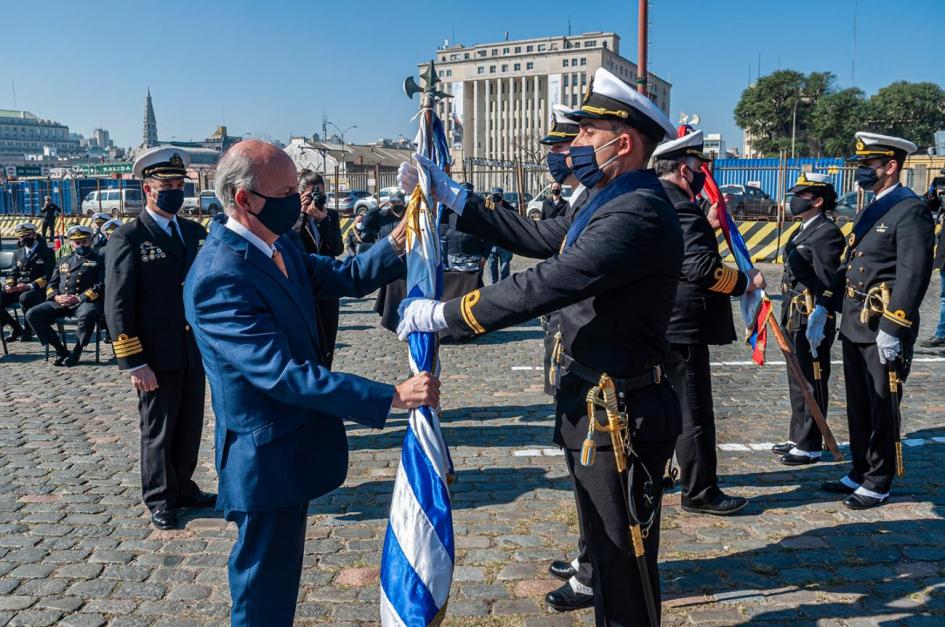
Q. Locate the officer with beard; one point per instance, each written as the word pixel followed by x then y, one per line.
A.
pixel 702 316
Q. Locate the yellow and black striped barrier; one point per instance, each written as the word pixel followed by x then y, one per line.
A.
pixel 763 239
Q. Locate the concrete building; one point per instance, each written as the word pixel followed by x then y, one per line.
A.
pixel 24 135
pixel 714 144
pixel 503 92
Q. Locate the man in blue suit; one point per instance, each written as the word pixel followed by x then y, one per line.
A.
pixel 280 440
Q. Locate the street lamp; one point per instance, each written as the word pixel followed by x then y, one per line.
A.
pixel 799 99
pixel 342 133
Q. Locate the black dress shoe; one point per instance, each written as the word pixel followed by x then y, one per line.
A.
pixel 861 501
pixel 164 518
pixel 798 460
pixel 722 505
pixel 565 599
pixel 782 449
pixel 200 499
pixel 562 570
pixel 16 336
pixel 933 342
pixel 836 487
pixel 73 358
pixel 61 359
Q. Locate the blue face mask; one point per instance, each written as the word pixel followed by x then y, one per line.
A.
pixel 866 177
pixel 170 200
pixel 584 163
pixel 558 166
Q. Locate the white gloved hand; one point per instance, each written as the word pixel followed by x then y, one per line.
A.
pixel 407 178
pixel 445 189
pixel 889 347
pixel 420 314
pixel 815 327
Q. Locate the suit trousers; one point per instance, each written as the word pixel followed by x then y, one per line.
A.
pixel 804 431
pixel 618 596
pixel 265 565
pixel 687 366
pixel 42 316
pixel 585 572
pixel 27 300
pixel 171 425
pixel 870 414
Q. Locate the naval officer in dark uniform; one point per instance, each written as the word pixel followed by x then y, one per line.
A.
pixel 878 289
pixel 75 289
pixel 146 264
pixel 33 264
pixel 614 281
pixel 702 316
pixel 811 258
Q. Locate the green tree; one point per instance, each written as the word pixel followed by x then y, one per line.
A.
pixel 834 121
pixel 767 109
pixel 910 110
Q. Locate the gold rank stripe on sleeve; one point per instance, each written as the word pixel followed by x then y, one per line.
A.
pixel 725 280
pixel 125 346
pixel 90 294
pixel 49 292
pixel 469 301
pixel 40 282
pixel 898 316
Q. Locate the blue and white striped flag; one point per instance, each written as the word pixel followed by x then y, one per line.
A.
pixel 417 562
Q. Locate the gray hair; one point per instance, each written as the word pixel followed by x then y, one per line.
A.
pixel 234 172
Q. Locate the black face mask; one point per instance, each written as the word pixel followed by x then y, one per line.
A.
pixel 279 214
pixel 83 251
pixel 170 200
pixel 26 242
pixel 697 183
pixel 800 205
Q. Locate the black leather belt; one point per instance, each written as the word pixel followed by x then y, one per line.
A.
pixel 653 376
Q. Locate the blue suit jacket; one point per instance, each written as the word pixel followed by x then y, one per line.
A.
pixel 280 440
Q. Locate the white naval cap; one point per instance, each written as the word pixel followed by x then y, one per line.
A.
pixel 689 145
pixel 563 128
pixel 609 97
pixel 811 181
pixel 873 145
pixel 162 162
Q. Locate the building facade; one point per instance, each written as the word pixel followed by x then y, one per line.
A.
pixel 502 93
pixel 24 134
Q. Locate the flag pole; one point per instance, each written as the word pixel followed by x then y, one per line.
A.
pixel 794 369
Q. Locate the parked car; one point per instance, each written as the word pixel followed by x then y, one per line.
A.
pixel 354 202
pixel 189 208
pixel 384 195
pixel 747 201
pixel 210 205
pixel 533 210
pixel 846 206
pixel 512 198
pixel 113 201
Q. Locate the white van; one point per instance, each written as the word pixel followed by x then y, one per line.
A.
pixel 112 201
pixel 534 205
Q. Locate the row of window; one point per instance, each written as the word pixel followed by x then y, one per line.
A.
pixel 568 45
pixel 34 131
pixel 574 79
pixel 516 67
pixel 574 61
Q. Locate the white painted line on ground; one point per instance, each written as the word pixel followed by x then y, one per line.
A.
pixel 774 362
pixel 728 446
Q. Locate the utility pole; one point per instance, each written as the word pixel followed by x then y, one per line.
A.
pixel 642 19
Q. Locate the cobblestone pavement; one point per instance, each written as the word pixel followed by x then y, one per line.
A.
pixel 76 546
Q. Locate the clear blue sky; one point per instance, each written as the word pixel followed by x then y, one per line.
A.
pixel 269 68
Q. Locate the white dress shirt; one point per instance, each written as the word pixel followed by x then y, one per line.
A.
pixel 251 237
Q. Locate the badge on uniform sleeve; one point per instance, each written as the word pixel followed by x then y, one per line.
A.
pixel 63 267
pixel 881 227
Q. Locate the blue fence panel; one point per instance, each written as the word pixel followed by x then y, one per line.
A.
pixel 764 171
